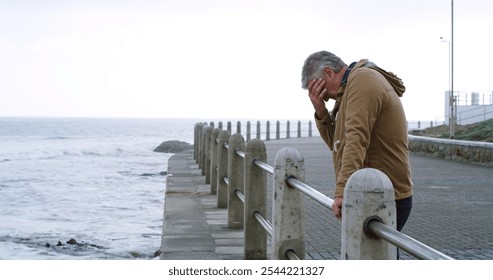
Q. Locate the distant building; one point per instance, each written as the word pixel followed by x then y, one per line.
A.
pixel 468 107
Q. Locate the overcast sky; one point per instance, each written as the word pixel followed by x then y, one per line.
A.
pixel 227 59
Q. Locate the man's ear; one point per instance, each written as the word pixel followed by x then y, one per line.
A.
pixel 329 72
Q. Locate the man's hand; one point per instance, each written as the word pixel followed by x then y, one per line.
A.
pixel 337 207
pixel 316 92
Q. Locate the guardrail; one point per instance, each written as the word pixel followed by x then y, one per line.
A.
pixel 237 172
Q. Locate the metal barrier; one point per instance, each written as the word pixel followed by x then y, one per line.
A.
pixel 239 171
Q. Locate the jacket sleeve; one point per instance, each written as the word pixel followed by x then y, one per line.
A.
pixel 326 129
pixel 364 96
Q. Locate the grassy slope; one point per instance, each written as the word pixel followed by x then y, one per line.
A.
pixel 482 131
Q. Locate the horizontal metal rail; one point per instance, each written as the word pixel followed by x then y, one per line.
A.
pixel 404 242
pixel 240 195
pixel 372 226
pixel 265 224
pixel 311 192
pixel 240 153
pixel 264 166
pixel 291 255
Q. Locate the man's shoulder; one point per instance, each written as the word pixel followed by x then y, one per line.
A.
pixel 365 74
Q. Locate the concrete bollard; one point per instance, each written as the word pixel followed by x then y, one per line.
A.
pixel 222 170
pixel 248 132
pixel 368 193
pixel 299 130
pixel 267 131
pixel 310 134
pixel 238 127
pixel 288 130
pixel 258 130
pixel 202 148
pixel 255 239
pixel 207 158
pixel 213 168
pixel 236 170
pixel 197 140
pixel 278 130
pixel 287 209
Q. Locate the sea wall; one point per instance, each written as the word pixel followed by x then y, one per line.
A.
pixel 465 151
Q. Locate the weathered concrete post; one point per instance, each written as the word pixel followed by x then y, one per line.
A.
pixel 368 193
pixel 258 130
pixel 207 151
pixel 288 130
pixel 310 134
pixel 299 129
pixel 238 127
pixel 197 141
pixel 213 168
pixel 236 170
pixel 267 131
pixel 287 208
pixel 278 130
pixel 229 127
pixel 255 200
pixel 248 134
pixel 222 170
pixel 202 147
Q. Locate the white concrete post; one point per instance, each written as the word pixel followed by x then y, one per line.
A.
pixel 229 127
pixel 198 140
pixel 248 131
pixel 255 238
pixel 195 142
pixel 299 130
pixel 278 130
pixel 368 193
pixel 238 127
pixel 258 130
pixel 236 170
pixel 213 168
pixel 207 151
pixel 222 170
pixel 203 137
pixel 287 208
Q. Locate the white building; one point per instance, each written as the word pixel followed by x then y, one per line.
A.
pixel 468 107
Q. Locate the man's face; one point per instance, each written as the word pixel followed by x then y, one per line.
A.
pixel 331 84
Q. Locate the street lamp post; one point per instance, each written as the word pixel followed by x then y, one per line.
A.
pixel 452 100
pixel 452 125
pixel 450 91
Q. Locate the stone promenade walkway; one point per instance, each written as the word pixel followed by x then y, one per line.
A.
pixel 452 212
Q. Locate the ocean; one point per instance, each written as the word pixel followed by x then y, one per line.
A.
pixel 89 189
pixel 83 189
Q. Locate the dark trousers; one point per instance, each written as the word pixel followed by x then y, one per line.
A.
pixel 403 209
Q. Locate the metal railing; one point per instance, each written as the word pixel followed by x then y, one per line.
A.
pixel 238 176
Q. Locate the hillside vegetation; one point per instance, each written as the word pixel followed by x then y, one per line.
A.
pixel 481 131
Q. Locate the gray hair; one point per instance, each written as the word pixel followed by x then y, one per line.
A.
pixel 315 63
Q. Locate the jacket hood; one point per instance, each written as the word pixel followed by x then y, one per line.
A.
pixel 395 81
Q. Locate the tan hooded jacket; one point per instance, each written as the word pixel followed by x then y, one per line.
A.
pixel 367 128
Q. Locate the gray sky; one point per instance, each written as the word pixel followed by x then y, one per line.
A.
pixel 227 59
